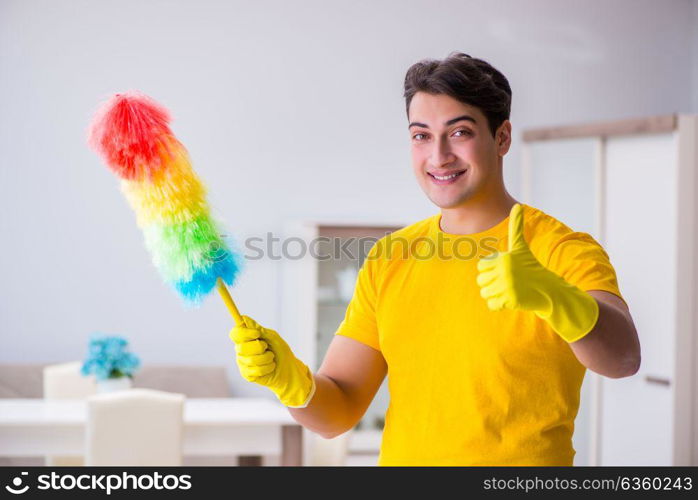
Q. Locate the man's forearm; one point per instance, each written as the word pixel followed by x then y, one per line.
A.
pixel 612 347
pixel 329 412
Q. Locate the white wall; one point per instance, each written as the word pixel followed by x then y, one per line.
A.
pixel 290 109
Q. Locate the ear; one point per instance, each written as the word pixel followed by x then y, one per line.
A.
pixel 503 138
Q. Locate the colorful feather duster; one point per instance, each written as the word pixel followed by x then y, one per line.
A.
pixel 131 132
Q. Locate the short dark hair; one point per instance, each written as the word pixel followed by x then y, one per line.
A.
pixel 469 80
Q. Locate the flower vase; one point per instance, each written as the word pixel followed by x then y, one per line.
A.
pixel 113 384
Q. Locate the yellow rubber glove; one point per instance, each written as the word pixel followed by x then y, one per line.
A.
pixel 265 358
pixel 516 280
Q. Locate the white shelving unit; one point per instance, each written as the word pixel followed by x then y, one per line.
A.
pixel 316 292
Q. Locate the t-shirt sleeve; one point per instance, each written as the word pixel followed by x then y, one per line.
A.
pixel 360 319
pixel 582 261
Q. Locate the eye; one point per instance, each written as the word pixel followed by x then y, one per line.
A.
pixel 463 133
pixel 419 136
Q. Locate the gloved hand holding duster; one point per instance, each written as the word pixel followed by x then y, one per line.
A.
pixel 265 358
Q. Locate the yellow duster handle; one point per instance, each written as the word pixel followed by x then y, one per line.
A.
pixel 223 290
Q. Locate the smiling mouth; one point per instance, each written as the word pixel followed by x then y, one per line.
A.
pixel 446 178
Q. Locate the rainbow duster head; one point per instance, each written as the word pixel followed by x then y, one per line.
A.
pixel 132 135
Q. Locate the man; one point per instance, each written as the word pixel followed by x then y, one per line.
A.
pixel 486 351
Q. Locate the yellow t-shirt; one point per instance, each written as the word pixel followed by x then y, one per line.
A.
pixel 469 386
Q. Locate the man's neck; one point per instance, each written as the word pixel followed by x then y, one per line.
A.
pixel 476 216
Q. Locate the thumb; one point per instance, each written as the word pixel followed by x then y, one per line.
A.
pixel 248 322
pixel 516 228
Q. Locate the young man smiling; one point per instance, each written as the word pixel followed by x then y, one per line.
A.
pixel 485 355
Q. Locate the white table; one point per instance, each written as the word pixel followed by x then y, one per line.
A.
pixel 225 426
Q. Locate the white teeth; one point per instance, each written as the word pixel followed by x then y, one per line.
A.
pixel 444 178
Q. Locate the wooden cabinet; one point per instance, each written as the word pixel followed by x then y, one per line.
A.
pixel 632 184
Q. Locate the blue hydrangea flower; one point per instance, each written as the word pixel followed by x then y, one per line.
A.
pixel 108 357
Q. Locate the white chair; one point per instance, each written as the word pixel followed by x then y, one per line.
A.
pixel 194 381
pixel 64 381
pixel 138 427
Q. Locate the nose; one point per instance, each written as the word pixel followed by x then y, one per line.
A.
pixel 441 154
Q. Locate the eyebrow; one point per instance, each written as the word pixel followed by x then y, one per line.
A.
pixel 449 122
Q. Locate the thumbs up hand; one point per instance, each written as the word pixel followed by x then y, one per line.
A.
pixel 508 280
pixel 516 280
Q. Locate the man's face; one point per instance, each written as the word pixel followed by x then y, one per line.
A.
pixel 454 156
